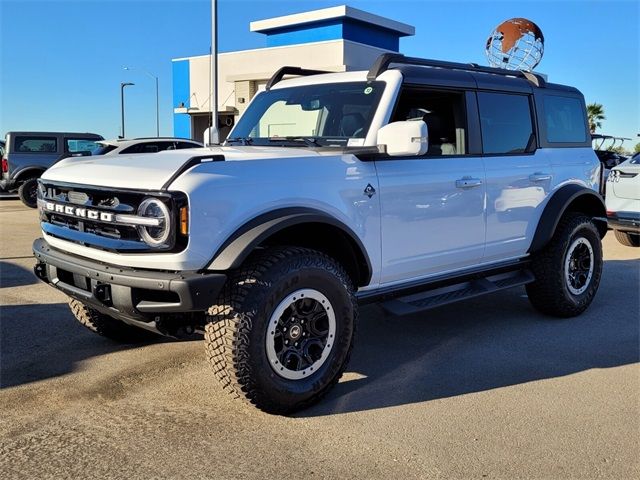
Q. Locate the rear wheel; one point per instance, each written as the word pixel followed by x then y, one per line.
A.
pixel 28 192
pixel 568 269
pixel 282 332
pixel 628 239
pixel 106 326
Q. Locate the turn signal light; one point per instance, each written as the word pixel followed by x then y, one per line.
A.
pixel 184 221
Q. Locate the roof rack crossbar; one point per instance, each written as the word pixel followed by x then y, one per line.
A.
pixel 383 62
pixel 291 71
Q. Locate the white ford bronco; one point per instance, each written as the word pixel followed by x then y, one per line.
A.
pixel 415 184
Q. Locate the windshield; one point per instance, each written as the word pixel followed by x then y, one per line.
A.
pixel 336 114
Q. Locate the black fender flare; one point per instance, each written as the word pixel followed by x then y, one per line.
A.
pixel 234 251
pixel 28 172
pixel 567 198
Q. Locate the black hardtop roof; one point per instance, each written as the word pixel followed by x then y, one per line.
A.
pixel 452 78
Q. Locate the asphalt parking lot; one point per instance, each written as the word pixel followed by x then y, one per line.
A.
pixel 487 388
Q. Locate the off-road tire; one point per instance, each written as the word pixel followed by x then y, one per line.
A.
pixel 106 326
pixel 26 192
pixel 235 335
pixel 550 293
pixel 627 239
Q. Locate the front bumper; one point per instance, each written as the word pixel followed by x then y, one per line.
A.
pixel 131 295
pixel 624 221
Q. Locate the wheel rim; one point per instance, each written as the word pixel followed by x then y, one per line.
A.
pixel 32 193
pixel 578 266
pixel 300 334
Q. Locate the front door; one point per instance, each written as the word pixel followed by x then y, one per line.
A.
pixel 432 207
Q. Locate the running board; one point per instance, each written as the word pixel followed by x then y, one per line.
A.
pixel 454 293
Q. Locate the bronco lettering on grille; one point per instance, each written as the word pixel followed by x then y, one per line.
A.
pixel 79 212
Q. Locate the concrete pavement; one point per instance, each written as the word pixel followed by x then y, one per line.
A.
pixel 487 388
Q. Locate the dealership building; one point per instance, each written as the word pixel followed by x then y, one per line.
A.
pixel 333 39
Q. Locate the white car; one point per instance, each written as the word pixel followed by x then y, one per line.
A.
pixel 143 145
pixel 623 201
pixel 328 194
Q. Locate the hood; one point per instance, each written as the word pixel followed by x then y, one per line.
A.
pixel 151 171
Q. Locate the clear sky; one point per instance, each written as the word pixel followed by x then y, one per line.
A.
pixel 61 61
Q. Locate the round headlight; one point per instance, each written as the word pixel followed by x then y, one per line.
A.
pixel 156 235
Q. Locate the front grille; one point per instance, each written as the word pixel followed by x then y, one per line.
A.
pixel 70 200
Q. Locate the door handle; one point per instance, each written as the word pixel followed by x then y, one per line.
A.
pixel 468 182
pixel 539 177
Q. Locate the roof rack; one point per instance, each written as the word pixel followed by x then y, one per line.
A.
pixel 291 71
pixel 383 62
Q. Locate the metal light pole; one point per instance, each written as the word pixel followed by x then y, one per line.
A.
pixel 214 136
pixel 157 96
pixel 122 85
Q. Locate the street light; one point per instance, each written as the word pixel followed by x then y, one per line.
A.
pixel 157 96
pixel 122 85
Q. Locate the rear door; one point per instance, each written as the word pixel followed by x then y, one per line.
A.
pixel 519 176
pixel 432 207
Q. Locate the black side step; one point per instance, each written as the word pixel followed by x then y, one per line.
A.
pixel 460 291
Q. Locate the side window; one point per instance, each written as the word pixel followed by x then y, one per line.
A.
pixel 36 144
pixel 444 114
pixel 181 145
pixel 148 147
pixel 74 145
pixel 505 121
pixel 565 119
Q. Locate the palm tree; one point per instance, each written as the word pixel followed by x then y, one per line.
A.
pixel 595 113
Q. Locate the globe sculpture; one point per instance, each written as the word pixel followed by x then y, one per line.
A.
pixel 515 44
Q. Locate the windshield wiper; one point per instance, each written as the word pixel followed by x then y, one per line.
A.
pixel 241 140
pixel 309 141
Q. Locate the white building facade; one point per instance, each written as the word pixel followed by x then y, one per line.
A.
pixel 333 39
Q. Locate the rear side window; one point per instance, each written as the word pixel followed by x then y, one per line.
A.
pixel 24 144
pixel 565 119
pixel 505 121
pixel 75 145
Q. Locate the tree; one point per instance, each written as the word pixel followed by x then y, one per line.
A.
pixel 636 149
pixel 595 113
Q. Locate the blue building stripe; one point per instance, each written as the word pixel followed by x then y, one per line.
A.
pixel 181 92
pixel 334 29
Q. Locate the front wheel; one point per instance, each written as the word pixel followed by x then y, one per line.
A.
pixel 568 269
pixel 28 192
pixel 282 331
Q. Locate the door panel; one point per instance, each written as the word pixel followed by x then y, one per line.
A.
pixel 430 224
pixel 517 189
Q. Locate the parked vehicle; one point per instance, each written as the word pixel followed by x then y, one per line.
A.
pixel 143 145
pixel 623 201
pixel 415 184
pixel 29 154
pixel 604 147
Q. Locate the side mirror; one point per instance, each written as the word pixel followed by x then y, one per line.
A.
pixel 405 138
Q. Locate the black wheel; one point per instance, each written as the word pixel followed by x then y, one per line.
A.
pixel 568 269
pixel 28 192
pixel 106 326
pixel 628 239
pixel 282 332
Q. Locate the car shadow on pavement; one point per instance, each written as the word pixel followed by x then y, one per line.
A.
pixel 486 343
pixel 12 275
pixel 40 341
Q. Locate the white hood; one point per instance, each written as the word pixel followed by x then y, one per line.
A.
pixel 151 171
